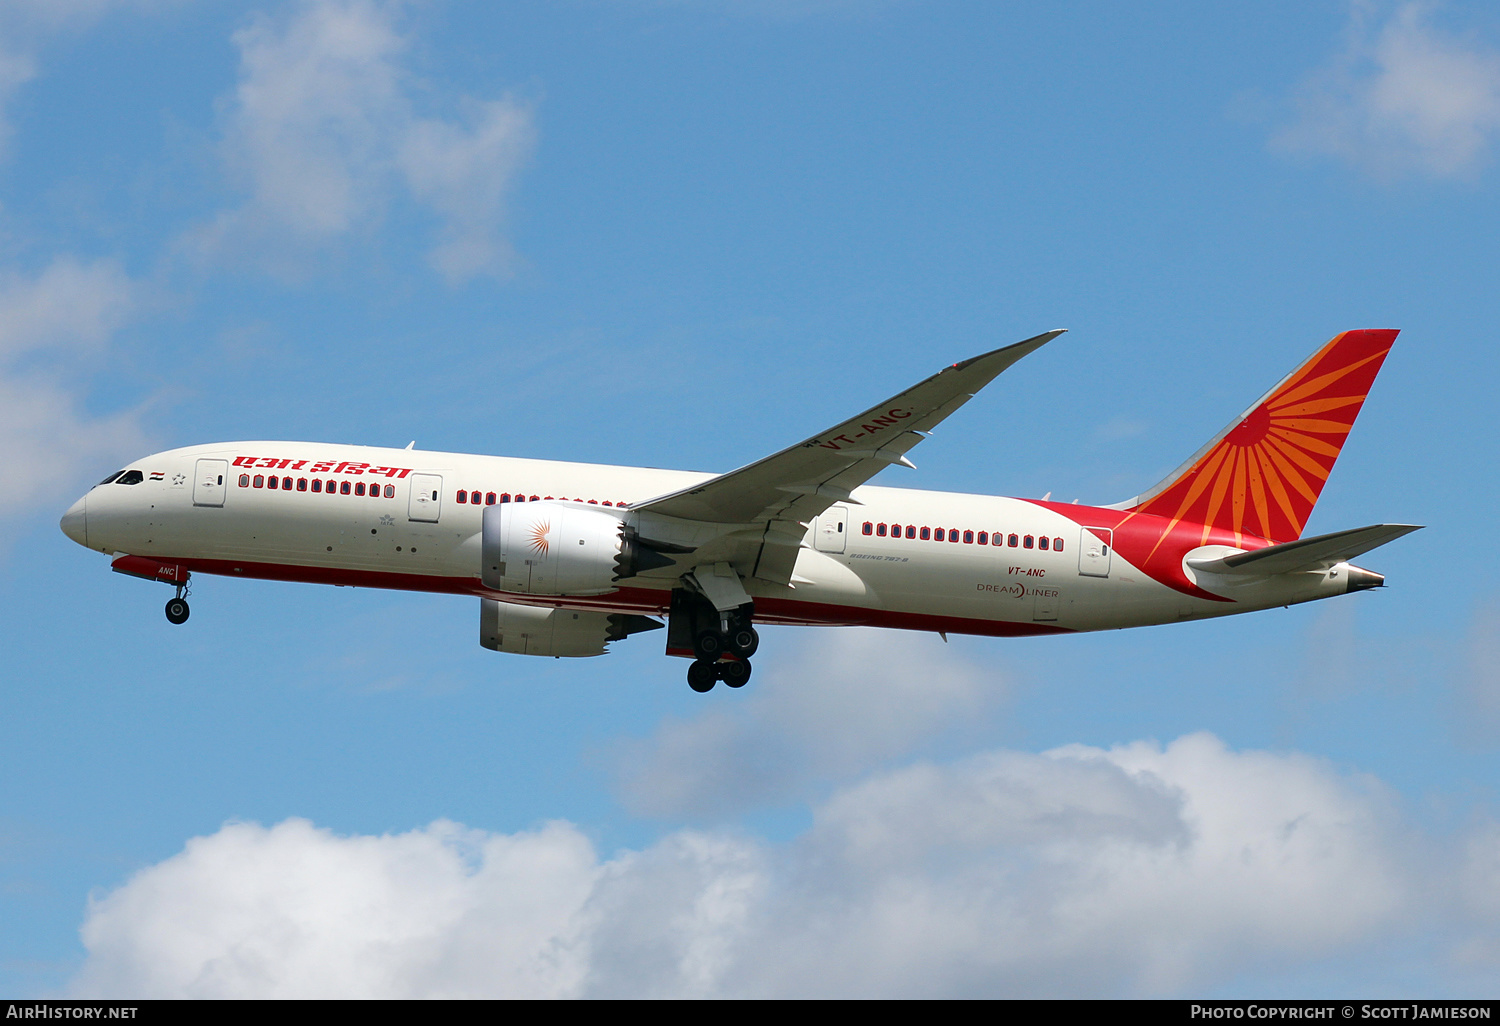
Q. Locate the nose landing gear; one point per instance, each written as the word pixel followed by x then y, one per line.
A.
pixel 167 573
pixel 177 607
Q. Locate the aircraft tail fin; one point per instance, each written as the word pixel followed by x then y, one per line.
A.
pixel 1263 473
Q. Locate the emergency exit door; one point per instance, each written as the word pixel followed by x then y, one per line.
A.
pixel 1093 551
pixel 833 524
pixel 209 482
pixel 426 502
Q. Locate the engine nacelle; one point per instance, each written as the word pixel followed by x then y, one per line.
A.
pixel 558 549
pixel 541 631
pixel 549 548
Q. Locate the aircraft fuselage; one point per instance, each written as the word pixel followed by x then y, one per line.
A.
pixel 351 516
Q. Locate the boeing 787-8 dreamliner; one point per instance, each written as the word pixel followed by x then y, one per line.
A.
pixel 567 558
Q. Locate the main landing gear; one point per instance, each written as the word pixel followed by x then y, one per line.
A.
pixel 723 653
pixel 705 673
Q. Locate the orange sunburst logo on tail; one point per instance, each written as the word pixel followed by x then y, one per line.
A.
pixel 1263 476
pixel 539 534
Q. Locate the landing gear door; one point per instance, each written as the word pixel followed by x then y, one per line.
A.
pixel 426 501
pixel 1093 551
pixel 208 482
pixel 833 525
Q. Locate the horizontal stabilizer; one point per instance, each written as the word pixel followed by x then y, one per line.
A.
pixel 1318 553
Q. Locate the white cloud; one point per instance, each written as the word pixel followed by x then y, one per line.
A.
pixel 1138 870
pixel 51 325
pixel 322 133
pixel 16 69
pixel 1479 688
pixel 69 304
pixel 463 173
pixel 25 28
pixel 847 701
pixel 1134 870
pixel 1403 98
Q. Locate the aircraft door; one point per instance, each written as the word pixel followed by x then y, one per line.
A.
pixel 209 481
pixel 833 525
pixel 1093 551
pixel 426 502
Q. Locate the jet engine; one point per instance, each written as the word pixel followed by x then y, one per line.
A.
pixel 533 630
pixel 558 549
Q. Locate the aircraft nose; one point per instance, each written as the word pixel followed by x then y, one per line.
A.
pixel 74 522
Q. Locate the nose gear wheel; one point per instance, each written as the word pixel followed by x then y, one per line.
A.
pixel 177 607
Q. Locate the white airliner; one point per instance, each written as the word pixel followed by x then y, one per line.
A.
pixel 566 558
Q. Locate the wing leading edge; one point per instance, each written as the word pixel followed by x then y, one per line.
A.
pixel 787 489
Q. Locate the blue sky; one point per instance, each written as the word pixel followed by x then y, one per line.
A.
pixel 685 234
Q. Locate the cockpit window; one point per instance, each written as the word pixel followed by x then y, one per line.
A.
pixel 110 478
pixel 130 477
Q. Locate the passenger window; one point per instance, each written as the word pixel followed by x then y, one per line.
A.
pixel 474 498
pixel 317 484
pixel 244 480
pixel 984 538
pixel 463 496
pixel 272 481
pixel 344 487
pixel 505 496
pixel 1042 543
pixel 332 487
pixel 868 528
pixel 1015 540
pixel 926 533
pixel 259 481
pixel 374 490
pixel 939 533
pixel 911 532
pixel 359 488
pixel 286 484
pixel 390 491
pixel 1056 544
pixel 489 498
pixel 1026 542
pixel 301 484
pixel 880 529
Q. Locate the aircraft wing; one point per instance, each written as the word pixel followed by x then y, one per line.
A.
pixel 786 490
pixel 1318 553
